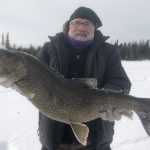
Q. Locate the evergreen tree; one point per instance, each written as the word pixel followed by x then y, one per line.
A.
pixel 3 40
pixel 7 42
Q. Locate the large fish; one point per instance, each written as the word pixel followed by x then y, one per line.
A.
pixel 73 101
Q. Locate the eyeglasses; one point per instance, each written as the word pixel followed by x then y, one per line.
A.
pixel 79 23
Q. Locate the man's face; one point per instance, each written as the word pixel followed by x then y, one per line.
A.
pixel 81 29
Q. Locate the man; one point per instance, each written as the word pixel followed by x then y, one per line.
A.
pixel 82 51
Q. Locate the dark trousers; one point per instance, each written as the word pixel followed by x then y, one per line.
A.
pixel 74 147
pixel 78 147
pixel 57 136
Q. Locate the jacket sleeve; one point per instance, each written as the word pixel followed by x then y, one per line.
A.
pixel 115 77
pixel 48 54
pixel 43 54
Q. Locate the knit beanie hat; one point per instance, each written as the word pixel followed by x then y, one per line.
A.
pixel 86 13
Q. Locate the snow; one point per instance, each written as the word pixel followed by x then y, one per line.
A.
pixel 19 118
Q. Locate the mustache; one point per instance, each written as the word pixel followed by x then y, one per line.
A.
pixel 82 34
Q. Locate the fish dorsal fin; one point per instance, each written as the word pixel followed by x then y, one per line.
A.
pixel 81 132
pixel 84 83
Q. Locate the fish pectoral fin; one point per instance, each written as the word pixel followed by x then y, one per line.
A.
pixel 23 91
pixel 80 131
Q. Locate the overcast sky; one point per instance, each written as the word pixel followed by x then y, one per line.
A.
pixel 31 21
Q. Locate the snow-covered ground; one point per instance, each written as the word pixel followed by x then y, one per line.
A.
pixel 19 118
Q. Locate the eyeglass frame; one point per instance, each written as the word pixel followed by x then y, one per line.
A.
pixel 78 23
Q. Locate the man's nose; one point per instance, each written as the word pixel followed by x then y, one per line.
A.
pixel 81 27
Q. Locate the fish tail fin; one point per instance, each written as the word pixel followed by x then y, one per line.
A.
pixel 144 114
pixel 145 119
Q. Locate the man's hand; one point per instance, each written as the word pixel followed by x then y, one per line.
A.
pixel 116 114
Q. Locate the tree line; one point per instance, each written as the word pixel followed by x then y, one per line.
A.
pixel 127 51
pixel 134 50
pixel 5 42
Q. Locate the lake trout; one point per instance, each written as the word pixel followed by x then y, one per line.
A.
pixel 71 101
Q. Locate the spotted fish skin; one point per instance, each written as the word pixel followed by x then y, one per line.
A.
pixel 72 101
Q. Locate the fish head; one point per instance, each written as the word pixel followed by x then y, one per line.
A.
pixel 11 65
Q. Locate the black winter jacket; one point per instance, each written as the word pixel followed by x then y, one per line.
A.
pixel 100 61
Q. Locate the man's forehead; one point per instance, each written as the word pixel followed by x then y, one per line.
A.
pixel 81 20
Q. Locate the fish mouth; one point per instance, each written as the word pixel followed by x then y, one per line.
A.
pixel 2 79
